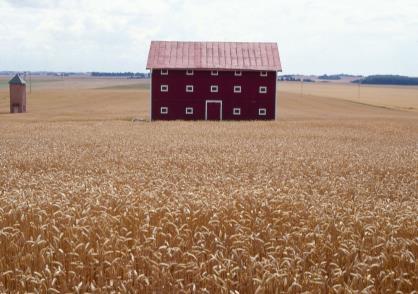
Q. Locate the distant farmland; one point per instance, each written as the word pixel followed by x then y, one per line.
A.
pixel 323 200
pixel 3 83
pixel 396 97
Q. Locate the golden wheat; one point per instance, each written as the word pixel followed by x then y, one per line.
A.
pixel 209 207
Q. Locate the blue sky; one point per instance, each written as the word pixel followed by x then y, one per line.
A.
pixel 314 37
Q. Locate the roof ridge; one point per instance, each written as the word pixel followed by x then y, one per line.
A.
pixel 231 42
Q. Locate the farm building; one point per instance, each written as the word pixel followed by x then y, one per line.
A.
pixel 213 80
pixel 17 94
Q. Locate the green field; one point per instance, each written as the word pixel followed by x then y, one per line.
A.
pixel 3 84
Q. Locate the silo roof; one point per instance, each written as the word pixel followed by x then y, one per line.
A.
pixel 17 80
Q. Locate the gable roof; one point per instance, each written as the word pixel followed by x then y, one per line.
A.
pixel 17 80
pixel 214 55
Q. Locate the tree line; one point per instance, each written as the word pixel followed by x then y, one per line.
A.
pixel 388 80
pixel 121 74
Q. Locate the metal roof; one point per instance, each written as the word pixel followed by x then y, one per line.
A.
pixel 214 55
pixel 17 80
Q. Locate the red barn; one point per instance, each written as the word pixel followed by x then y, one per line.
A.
pixel 213 80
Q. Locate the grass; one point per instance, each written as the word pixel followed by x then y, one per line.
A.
pixel 3 84
pixel 322 200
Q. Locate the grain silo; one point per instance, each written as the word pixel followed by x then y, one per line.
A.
pixel 17 94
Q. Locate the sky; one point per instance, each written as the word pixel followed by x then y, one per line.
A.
pixel 314 37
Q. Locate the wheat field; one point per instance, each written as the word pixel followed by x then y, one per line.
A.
pixel 322 200
pixel 389 96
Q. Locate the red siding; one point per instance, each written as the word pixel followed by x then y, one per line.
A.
pixel 177 99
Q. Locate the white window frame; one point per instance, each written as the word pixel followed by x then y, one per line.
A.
pixel 237 73
pixel 189 88
pixel 262 90
pixel 164 88
pixel 236 111
pixel 189 110
pixel 262 111
pixel 237 89
pixel 189 72
pixel 164 110
pixel 263 73
pixel 164 72
pixel 214 73
pixel 214 89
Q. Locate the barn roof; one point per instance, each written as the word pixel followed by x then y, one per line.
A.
pixel 17 80
pixel 214 55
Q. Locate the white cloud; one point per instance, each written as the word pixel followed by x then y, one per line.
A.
pixel 357 36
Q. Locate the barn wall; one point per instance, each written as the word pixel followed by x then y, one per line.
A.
pixel 177 99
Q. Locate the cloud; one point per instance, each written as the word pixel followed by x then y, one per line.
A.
pixel 313 36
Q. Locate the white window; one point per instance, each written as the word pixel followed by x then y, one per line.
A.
pixel 262 90
pixel 214 89
pixel 189 110
pixel 238 73
pixel 189 72
pixel 263 74
pixel 164 110
pixel 236 111
pixel 164 72
pixel 237 89
pixel 189 88
pixel 214 73
pixel 164 88
pixel 262 111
